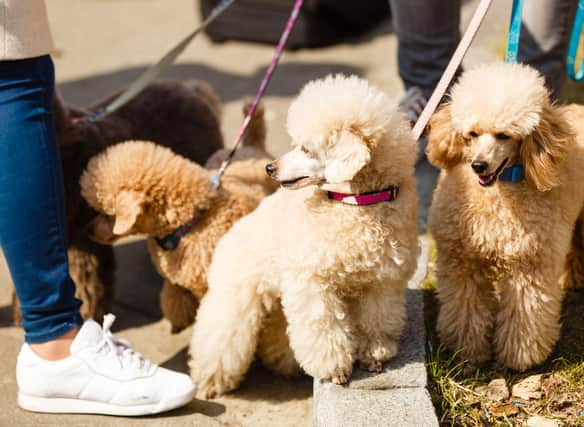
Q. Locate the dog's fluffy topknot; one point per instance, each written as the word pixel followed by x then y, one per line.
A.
pixel 340 102
pixel 511 96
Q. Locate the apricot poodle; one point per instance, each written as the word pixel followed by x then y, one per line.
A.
pixel 334 248
pixel 506 214
pixel 142 188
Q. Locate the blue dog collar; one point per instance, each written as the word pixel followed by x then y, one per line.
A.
pixel 171 241
pixel 513 173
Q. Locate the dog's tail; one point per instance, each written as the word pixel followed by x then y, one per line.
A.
pixel 255 135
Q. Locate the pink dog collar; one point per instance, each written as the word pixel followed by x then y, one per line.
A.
pixel 366 198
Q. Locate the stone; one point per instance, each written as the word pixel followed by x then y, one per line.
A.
pixel 496 390
pixel 539 421
pixel 528 388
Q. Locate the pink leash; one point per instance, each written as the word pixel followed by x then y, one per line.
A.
pixel 216 181
pixel 450 71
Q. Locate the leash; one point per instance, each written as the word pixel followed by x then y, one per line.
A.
pixel 577 75
pixel 216 181
pixel 514 32
pixel 450 71
pixel 153 72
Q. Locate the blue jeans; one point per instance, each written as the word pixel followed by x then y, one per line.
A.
pixel 428 33
pixel 32 210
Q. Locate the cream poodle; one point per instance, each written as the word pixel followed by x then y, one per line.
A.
pixel 139 187
pixel 506 215
pixel 335 247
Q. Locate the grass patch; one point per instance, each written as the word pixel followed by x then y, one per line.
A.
pixel 456 388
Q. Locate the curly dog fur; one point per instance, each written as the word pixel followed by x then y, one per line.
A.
pixel 182 116
pixel 338 271
pixel 506 250
pixel 142 188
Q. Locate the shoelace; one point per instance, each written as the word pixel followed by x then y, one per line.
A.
pixel 121 348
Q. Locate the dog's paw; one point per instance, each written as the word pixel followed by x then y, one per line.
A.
pixel 340 377
pixel 373 354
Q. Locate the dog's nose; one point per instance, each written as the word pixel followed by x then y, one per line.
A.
pixel 271 169
pixel 479 166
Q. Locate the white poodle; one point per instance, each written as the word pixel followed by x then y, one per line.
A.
pixel 335 248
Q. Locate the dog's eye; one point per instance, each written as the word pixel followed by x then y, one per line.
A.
pixel 473 134
pixel 304 149
pixel 502 136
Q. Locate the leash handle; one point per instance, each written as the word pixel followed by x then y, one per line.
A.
pixel 514 32
pixel 450 71
pixel 153 72
pixel 216 181
pixel 576 75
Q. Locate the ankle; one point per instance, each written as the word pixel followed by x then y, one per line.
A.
pixel 56 349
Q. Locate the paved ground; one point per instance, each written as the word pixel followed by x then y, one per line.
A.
pixel 102 45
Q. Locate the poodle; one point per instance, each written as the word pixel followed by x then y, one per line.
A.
pixel 506 214
pixel 334 248
pixel 142 188
pixel 183 116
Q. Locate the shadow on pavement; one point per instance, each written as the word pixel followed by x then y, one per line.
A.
pixel 291 76
pixel 6 316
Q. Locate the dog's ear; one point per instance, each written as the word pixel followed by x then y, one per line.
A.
pixel 543 151
pixel 129 206
pixel 348 154
pixel 445 144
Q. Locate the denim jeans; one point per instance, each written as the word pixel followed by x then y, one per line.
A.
pixel 428 33
pixel 32 210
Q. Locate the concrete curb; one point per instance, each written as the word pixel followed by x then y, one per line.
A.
pixel 397 396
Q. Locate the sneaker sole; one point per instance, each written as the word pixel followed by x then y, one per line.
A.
pixel 79 406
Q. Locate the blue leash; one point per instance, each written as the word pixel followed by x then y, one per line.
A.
pixel 514 31
pixel 577 75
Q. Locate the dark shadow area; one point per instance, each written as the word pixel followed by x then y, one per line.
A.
pixel 262 384
pixel 6 316
pixel 203 407
pixel 138 285
pixel 178 362
pixel 287 80
pixel 259 384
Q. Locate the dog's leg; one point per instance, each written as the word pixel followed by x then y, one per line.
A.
pixel 381 316
pixel 467 307
pixel 320 330
pixel 178 305
pixel 528 321
pixel 274 345
pixel 225 336
pixel 573 275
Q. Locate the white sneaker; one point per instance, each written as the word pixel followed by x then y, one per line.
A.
pixel 103 375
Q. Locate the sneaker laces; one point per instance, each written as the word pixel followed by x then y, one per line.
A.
pixel 121 348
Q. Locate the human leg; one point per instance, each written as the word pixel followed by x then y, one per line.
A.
pixel 428 33
pixel 32 213
pixel 546 30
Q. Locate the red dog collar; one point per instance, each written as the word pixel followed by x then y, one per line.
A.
pixel 366 198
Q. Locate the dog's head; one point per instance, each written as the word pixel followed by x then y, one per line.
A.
pixel 347 137
pixel 499 115
pixel 142 188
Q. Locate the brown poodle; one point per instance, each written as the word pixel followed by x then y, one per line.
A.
pixel 506 215
pixel 183 116
pixel 142 188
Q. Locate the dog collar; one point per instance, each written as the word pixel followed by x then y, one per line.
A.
pixel 367 198
pixel 513 173
pixel 172 240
